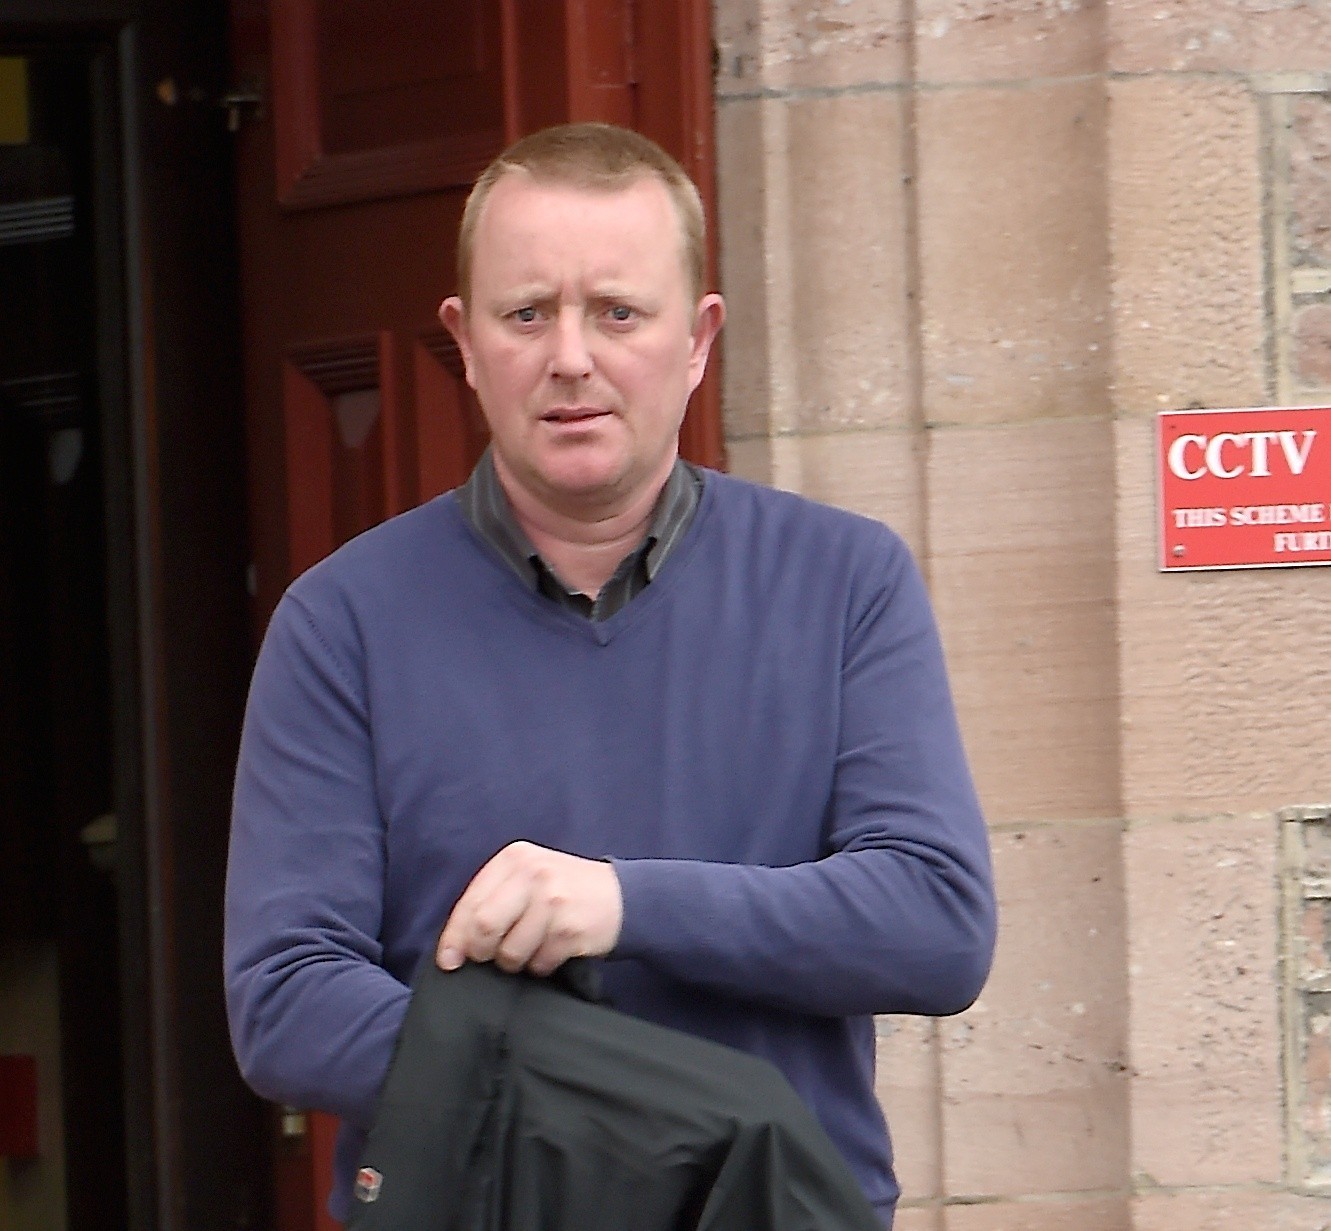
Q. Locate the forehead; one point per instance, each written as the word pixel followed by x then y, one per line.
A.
pixel 540 230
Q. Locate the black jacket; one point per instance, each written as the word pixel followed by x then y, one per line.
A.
pixel 515 1104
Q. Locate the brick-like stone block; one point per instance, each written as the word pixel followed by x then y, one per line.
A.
pixel 878 474
pixel 849 271
pixel 1225 674
pixel 1306 953
pixel 1263 1210
pixel 1218 35
pixel 1310 181
pixel 918 1218
pixel 1312 345
pixel 908 1088
pixel 1311 1074
pixel 754 268
pixel 1205 1046
pixel 1187 244
pixel 1021 543
pixel 802 44
pixel 814 261
pixel 1013 255
pixel 1034 1075
pixel 1104 1213
pixel 1007 40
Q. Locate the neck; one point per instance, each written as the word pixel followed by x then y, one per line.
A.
pixel 583 547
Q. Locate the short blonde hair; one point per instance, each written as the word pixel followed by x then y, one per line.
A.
pixel 599 157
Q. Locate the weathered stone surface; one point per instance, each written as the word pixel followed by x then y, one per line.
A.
pixel 1224 675
pixel 1205 1041
pixel 1099 1213
pixel 1312 345
pixel 1013 257
pixel 814 262
pixel 1034 1074
pixel 918 1218
pixel 1090 247
pixel 1248 1209
pixel 1186 230
pixel 753 241
pixel 1306 949
pixel 1006 40
pixel 766 45
pixel 1310 181
pixel 1218 35
pixel 1020 541
pixel 909 1090
pixel 879 474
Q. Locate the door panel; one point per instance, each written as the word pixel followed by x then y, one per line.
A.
pixel 344 428
pixel 449 427
pixel 359 87
pixel 376 117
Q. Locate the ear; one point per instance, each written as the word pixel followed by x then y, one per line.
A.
pixel 708 318
pixel 453 317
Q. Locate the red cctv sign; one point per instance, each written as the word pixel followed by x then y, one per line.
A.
pixel 1244 488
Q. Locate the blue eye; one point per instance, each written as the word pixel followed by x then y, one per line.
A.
pixel 621 312
pixel 525 315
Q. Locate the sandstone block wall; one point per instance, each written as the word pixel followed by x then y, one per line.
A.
pixel 971 247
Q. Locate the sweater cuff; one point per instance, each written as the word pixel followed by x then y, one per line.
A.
pixel 641 888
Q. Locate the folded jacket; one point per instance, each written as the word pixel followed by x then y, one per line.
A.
pixel 515 1104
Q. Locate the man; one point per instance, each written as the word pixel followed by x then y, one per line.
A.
pixel 600 703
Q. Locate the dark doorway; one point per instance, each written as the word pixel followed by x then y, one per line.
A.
pixel 58 887
pixel 124 647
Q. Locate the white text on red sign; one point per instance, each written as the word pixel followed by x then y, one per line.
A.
pixel 1230 455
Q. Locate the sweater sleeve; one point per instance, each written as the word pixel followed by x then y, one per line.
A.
pixel 313 1015
pixel 899 915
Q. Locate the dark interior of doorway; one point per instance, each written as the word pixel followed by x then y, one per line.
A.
pixel 57 767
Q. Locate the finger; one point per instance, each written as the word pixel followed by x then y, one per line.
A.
pixel 557 946
pixel 525 937
pixel 451 951
pixel 458 935
pixel 493 916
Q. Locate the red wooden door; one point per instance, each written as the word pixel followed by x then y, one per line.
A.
pixel 374 116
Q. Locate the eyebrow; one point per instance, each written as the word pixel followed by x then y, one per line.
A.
pixel 613 291
pixel 528 293
pixel 535 293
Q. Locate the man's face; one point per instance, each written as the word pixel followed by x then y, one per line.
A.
pixel 580 339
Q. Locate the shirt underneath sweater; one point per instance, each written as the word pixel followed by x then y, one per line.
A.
pixel 762 741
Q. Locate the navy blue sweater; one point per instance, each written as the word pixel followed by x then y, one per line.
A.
pixel 763 742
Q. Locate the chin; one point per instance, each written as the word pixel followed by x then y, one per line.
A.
pixel 585 482
pixel 576 468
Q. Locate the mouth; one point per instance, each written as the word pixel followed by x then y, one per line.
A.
pixel 573 414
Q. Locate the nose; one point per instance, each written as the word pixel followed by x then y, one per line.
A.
pixel 571 358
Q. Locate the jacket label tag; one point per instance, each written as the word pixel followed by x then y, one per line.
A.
pixel 368 1183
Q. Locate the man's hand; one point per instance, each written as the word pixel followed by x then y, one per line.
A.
pixel 531 908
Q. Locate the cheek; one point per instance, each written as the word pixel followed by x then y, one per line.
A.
pixel 505 372
pixel 657 373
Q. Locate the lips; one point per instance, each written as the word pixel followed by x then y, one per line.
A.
pixel 573 414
